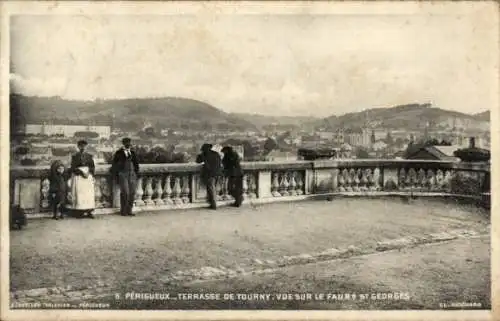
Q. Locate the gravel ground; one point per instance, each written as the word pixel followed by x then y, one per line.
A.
pixel 124 250
pixel 444 273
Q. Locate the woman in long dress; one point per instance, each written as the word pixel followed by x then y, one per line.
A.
pixel 82 181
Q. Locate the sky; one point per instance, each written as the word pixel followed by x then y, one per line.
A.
pixel 300 64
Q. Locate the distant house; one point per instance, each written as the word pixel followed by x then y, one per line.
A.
pixel 433 153
pixel 400 154
pixel 379 145
pixel 277 155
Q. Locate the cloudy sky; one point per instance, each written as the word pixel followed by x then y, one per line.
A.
pixel 268 64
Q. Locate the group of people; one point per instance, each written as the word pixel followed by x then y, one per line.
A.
pixel 215 167
pixel 78 195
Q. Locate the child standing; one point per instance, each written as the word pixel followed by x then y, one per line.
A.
pixel 58 188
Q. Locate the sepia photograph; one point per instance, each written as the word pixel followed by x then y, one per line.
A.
pixel 295 157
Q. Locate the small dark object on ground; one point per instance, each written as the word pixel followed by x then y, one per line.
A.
pixel 17 218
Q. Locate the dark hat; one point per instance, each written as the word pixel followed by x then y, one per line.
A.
pixel 226 149
pixel 126 140
pixel 206 147
pixel 82 142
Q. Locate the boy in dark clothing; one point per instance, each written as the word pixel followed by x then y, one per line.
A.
pixel 210 171
pixel 58 188
pixel 234 173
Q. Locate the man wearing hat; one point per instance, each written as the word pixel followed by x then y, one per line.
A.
pixel 125 169
pixel 212 168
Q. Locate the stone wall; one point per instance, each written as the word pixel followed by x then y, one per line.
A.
pixel 171 186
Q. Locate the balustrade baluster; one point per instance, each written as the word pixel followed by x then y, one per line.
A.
pixel 275 185
pixel 44 193
pixel 447 181
pixel 139 192
pixel 284 184
pixel 167 191
pixel 408 182
pixel 412 178
pixel 402 179
pixel 370 178
pixel 363 182
pixel 431 180
pixel 159 192
pixel 356 180
pixel 176 191
pixel 293 184
pixel 439 179
pixel 350 180
pixel 148 191
pixel 185 189
pixel 421 180
pixel 342 180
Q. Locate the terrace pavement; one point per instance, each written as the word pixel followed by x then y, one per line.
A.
pixel 309 246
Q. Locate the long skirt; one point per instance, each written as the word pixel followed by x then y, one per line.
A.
pixel 82 193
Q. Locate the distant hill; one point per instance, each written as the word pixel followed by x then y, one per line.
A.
pixel 132 114
pixel 264 121
pixel 183 113
pixel 411 117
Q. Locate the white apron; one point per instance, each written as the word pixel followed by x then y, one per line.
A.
pixel 82 191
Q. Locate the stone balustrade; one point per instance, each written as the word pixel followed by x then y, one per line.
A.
pixel 170 186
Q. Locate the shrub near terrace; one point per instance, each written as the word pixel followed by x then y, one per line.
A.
pixel 155 155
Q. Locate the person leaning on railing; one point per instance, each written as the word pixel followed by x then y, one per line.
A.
pixel 211 169
pixel 234 173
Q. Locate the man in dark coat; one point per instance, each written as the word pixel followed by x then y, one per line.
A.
pixel 211 169
pixel 125 169
pixel 234 173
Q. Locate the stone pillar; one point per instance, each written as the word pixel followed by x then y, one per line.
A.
pixel 323 180
pixel 264 184
pixel 309 181
pixel 391 179
pixel 27 194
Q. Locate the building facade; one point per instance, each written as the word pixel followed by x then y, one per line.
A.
pixel 65 130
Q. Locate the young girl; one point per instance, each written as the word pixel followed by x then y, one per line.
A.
pixel 58 188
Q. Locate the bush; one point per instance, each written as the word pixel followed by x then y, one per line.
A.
pixel 473 155
pixel 465 183
pixel 61 151
pixel 86 134
pixel 28 162
pixel 156 155
pixel 21 150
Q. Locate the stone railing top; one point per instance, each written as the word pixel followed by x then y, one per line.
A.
pixel 398 163
pixel 41 171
